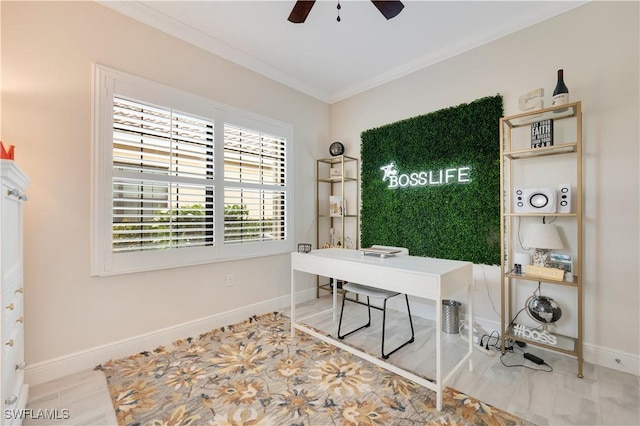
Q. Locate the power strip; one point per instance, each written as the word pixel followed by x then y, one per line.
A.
pixel 479 347
pixel 487 352
pixel 476 345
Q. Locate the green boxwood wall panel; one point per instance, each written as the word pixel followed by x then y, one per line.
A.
pixel 455 220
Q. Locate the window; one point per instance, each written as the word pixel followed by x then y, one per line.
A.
pixel 180 180
pixel 163 195
pixel 255 196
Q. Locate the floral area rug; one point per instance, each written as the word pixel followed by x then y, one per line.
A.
pixel 253 373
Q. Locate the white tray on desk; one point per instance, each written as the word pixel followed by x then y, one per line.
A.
pixel 379 252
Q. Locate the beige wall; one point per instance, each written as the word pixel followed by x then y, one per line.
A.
pixel 597 45
pixel 47 54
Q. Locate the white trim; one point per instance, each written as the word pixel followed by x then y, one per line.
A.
pixel 52 369
pixel 594 354
pixel 147 15
pixel 107 83
pixel 169 25
pixel 56 368
pixel 616 360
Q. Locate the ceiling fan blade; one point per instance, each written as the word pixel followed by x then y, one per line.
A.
pixel 300 11
pixel 388 8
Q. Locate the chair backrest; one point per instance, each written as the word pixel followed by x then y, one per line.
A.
pixel 403 250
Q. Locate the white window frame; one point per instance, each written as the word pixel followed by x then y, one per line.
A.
pixel 109 82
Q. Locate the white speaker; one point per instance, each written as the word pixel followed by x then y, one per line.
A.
pixel 564 198
pixel 534 200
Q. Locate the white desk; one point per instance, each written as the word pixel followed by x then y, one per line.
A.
pixel 434 279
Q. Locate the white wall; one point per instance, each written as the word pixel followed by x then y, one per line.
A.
pixel 597 46
pixel 47 54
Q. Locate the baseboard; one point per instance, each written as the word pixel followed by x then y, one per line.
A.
pixel 604 357
pixel 56 368
pixel 52 369
pixel 616 360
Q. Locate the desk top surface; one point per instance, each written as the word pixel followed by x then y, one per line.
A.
pixel 419 264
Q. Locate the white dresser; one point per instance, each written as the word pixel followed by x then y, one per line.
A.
pixel 14 391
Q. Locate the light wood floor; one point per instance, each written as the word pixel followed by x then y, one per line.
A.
pixel 602 397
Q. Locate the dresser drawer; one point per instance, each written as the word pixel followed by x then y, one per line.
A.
pixel 11 230
pixel 12 279
pixel 12 197
pixel 12 312
pixel 12 367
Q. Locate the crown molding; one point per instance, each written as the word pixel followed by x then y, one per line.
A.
pixel 149 16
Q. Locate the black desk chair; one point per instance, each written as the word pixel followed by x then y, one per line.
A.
pixel 376 293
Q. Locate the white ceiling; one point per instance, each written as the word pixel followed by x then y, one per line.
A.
pixel 333 60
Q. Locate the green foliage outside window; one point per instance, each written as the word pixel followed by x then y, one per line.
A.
pixel 239 227
pixel 190 224
pixel 162 227
pixel 452 221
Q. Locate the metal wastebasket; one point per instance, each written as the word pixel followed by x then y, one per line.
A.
pixel 450 316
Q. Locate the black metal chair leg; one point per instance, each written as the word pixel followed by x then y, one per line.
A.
pixel 384 322
pixel 344 297
pixel 384 315
pixel 406 298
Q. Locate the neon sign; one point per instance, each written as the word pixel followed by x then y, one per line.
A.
pixel 425 177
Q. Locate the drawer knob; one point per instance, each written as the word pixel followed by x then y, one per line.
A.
pixel 21 366
pixel 20 290
pixel 20 320
pixel 9 343
pixel 10 306
pixel 18 194
pixel 11 400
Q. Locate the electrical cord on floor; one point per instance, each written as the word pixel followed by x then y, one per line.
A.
pixel 509 347
pixel 489 336
pixel 523 365
pixel 479 333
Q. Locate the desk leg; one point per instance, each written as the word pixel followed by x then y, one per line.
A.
pixel 439 354
pixel 470 336
pixel 335 299
pixel 293 303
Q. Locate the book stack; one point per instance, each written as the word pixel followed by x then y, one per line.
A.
pixel 542 133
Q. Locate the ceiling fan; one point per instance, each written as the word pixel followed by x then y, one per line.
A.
pixel 302 8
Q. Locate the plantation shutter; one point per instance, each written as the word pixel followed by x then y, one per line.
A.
pixel 255 186
pixel 163 178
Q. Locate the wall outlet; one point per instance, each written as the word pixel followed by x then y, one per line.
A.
pixel 230 280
